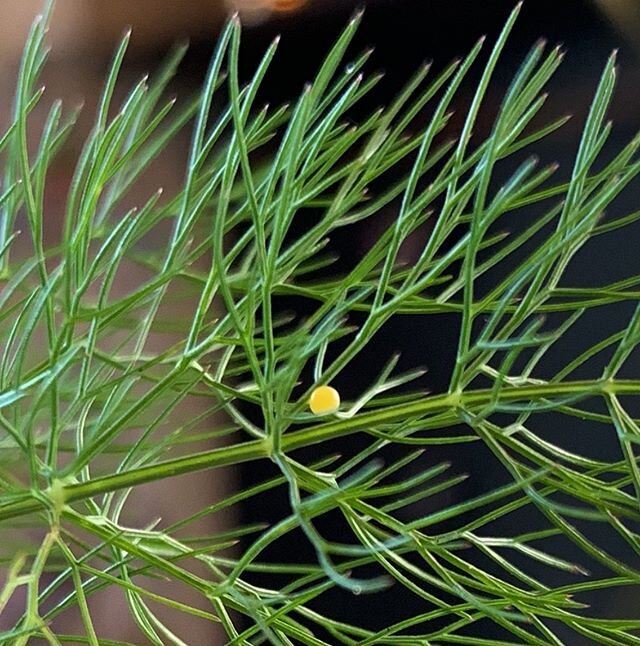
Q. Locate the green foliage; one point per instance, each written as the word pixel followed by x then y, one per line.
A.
pixel 104 388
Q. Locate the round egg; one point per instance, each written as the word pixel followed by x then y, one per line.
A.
pixel 324 400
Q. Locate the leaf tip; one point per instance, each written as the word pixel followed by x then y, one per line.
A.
pixel 357 15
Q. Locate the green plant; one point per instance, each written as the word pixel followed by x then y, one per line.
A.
pixel 88 405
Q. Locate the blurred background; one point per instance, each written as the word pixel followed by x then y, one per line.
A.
pixel 404 34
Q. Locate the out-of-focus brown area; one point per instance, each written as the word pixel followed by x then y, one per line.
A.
pixel 91 27
pixel 82 37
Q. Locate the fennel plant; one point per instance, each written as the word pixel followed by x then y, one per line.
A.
pixel 88 405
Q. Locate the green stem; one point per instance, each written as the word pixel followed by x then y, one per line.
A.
pixel 260 449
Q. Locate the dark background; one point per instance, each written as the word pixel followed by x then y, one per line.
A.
pixel 405 33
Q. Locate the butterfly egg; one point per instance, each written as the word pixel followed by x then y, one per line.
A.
pixel 324 400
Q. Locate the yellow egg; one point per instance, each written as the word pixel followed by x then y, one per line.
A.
pixel 324 400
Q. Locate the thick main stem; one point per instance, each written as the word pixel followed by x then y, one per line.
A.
pixel 260 449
